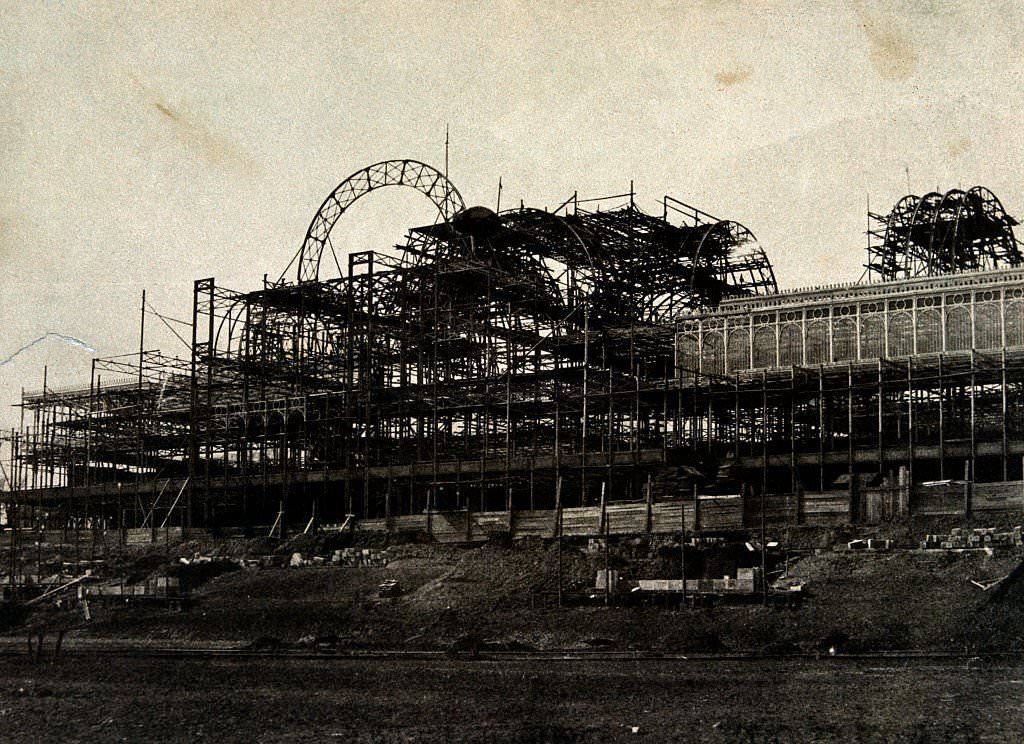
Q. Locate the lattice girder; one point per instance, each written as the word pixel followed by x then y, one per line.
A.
pixel 424 178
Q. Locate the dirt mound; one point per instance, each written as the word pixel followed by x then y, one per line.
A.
pixel 505 593
pixel 999 618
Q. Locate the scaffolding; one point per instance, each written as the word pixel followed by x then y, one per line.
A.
pixel 939 234
pixel 532 361
pixel 495 361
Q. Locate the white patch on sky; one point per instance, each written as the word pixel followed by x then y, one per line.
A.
pixel 69 340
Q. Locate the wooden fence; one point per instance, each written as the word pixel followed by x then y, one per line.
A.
pixel 716 513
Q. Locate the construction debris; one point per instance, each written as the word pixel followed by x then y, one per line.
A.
pixel 976 539
pixel 870 544
pixel 985 585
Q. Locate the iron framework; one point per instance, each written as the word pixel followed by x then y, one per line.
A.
pixel 942 233
pixel 496 360
pixel 531 361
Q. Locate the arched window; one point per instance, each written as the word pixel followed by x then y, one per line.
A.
pixel 844 340
pixel 872 334
pixel 816 351
pixel 958 328
pixel 739 349
pixel 901 335
pixel 687 357
pixel 791 345
pixel 712 358
pixel 988 332
pixel 1015 323
pixel 764 347
pixel 929 331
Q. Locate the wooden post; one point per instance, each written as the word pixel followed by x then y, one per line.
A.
pixel 849 419
pixel 649 500
pixel 1002 387
pixel 430 507
pixel 969 475
pixel 682 540
pixel 558 533
pixel 881 416
pixel 469 515
pixel 696 514
pixel 121 530
pixel 607 547
pixel 942 428
pixel 910 426
pixel 967 488
pixel 821 427
pixel 764 551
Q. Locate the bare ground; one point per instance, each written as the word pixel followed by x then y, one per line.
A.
pixel 90 698
pixel 498 596
pixel 504 594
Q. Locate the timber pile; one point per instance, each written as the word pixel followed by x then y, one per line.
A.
pixel 982 537
pixel 159 586
pixel 360 557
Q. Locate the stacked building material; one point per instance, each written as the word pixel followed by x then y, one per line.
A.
pixel 873 543
pixel 607 580
pixel 360 557
pixel 662 585
pixel 748 580
pixel 159 586
pixel 981 537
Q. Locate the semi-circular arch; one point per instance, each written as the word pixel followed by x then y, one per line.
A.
pixel 424 178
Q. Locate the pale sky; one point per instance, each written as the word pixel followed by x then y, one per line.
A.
pixel 145 145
